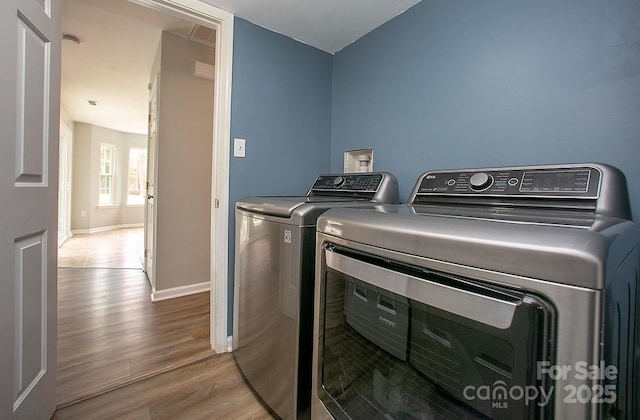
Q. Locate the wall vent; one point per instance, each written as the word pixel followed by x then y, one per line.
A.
pixel 204 71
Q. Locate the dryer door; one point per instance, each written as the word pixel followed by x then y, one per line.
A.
pixel 406 342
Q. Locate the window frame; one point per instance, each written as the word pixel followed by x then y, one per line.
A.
pixel 107 198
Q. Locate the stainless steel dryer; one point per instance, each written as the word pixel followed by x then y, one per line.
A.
pixel 274 283
pixel 504 293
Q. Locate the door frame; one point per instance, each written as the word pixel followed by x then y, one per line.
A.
pixel 150 224
pixel 222 21
pixel 65 175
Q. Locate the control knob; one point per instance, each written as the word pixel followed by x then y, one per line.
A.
pixel 480 181
pixel 338 181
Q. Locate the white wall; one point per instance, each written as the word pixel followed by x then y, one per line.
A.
pixel 86 214
pixel 184 155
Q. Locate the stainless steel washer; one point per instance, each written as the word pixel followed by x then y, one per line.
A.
pixel 274 283
pixel 497 293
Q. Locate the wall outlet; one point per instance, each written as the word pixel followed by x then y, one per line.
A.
pixel 238 148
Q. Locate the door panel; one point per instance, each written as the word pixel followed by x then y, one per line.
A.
pixel 32 65
pixel 29 122
pixel 30 309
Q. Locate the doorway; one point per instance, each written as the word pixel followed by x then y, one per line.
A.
pixel 205 14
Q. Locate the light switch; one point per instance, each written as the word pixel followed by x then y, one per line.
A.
pixel 238 148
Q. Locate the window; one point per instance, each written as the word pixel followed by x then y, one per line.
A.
pixel 107 171
pixel 137 181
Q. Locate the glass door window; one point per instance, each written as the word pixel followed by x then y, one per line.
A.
pixel 390 356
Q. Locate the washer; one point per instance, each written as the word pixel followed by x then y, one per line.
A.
pixel 496 293
pixel 274 283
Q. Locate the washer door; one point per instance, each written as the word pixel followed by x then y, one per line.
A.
pixel 404 342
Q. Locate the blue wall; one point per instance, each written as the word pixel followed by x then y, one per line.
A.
pixel 447 84
pixel 467 83
pixel 281 105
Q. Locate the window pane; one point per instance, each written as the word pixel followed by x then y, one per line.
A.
pixel 107 165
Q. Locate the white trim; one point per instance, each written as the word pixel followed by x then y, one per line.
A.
pixel 65 130
pixel 114 175
pixel 230 343
pixel 220 187
pixel 64 238
pixel 105 228
pixel 67 133
pixel 175 292
pixel 222 21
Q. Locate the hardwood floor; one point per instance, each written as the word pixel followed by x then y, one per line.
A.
pixel 111 334
pixel 118 248
pixel 210 389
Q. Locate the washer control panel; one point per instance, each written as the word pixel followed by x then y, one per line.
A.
pixel 572 182
pixel 366 182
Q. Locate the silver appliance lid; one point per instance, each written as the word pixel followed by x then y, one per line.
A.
pixel 561 254
pixel 327 191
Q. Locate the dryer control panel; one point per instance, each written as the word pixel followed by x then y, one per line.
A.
pixel 559 182
pixel 593 188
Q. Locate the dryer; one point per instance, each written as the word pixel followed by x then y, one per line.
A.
pixel 497 293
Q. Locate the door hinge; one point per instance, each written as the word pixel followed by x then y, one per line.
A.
pixel 146 253
pixel 217 203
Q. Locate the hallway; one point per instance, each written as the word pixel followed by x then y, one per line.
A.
pixel 110 333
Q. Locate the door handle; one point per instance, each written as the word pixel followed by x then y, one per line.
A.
pixel 485 309
pixel 149 196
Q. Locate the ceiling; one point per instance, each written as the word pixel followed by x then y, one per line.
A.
pixel 329 25
pixel 112 64
pixel 119 39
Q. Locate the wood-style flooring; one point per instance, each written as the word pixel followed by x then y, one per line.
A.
pixel 111 334
pixel 118 248
pixel 210 389
pixel 122 356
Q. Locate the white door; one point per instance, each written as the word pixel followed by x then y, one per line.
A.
pixel 149 220
pixel 29 128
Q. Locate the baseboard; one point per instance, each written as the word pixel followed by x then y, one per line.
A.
pixel 106 228
pixel 64 238
pixel 175 292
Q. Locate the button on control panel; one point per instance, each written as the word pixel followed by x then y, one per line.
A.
pixel 552 182
pixel 348 182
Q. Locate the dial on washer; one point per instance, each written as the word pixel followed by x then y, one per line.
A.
pixel 480 181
